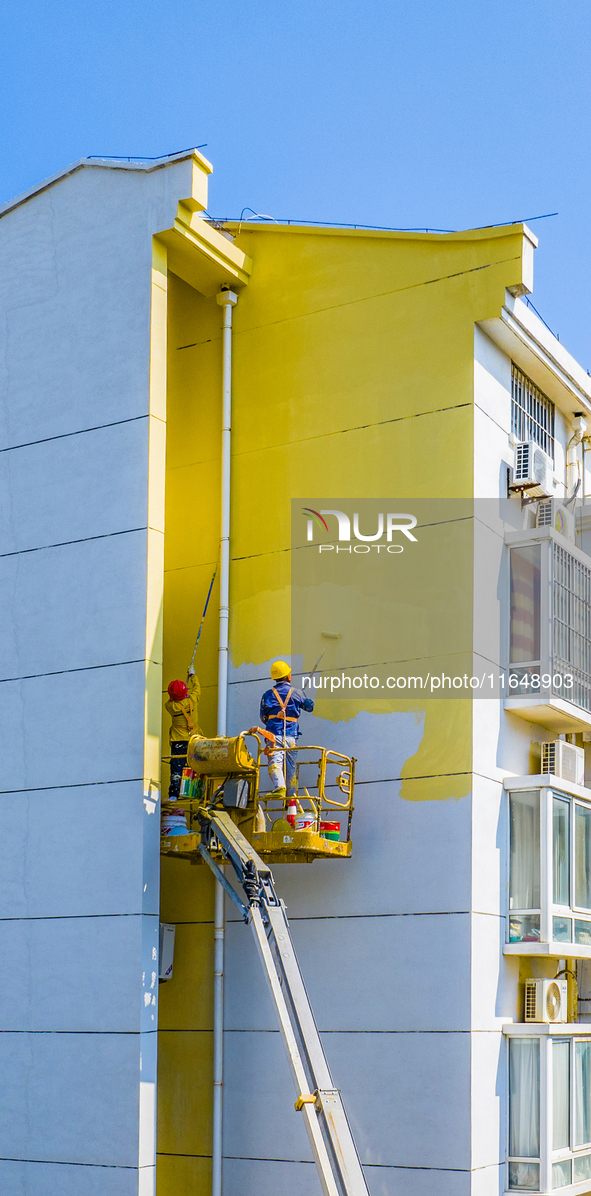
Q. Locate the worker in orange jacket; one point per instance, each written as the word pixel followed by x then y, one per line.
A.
pixel 182 706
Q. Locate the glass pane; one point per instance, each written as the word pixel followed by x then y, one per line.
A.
pixel 524 928
pixel 524 885
pixel 560 1096
pixel 583 857
pixel 562 930
pixel 582 1093
pixel 582 1168
pixel 560 852
pixel 582 933
pixel 525 1177
pixel 524 1097
pixel 525 603
pixel 561 1174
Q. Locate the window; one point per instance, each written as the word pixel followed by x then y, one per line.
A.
pixel 524 1114
pixel 525 604
pixel 550 587
pixel 555 1073
pixel 532 413
pixel 549 868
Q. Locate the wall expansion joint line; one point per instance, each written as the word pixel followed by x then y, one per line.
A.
pixel 11 448
pixel 65 543
pixel 87 668
pixel 72 785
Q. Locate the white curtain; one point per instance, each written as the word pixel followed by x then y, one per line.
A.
pixel 582 1093
pixel 524 1097
pixel 525 850
pixel 560 1095
pixel 560 851
pixel 582 857
pixel 525 604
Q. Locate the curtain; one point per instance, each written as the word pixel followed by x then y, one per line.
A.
pixel 525 604
pixel 524 888
pixel 582 857
pixel 524 1097
pixel 560 1095
pixel 582 1093
pixel 560 852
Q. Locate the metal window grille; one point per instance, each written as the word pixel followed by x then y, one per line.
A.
pixel 532 413
pixel 572 626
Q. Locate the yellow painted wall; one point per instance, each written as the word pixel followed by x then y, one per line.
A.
pixel 353 363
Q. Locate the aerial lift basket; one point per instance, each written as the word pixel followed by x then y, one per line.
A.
pixel 232 778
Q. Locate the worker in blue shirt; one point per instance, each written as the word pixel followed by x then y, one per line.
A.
pixel 280 711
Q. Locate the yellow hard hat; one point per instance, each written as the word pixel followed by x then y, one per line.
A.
pixel 280 669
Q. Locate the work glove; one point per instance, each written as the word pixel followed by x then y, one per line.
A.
pixel 190 672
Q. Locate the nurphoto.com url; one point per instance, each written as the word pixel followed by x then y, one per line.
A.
pixel 487 684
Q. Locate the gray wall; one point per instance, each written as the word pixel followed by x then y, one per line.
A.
pixel 79 863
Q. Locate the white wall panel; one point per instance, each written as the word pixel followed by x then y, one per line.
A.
pixel 71 1098
pixel 377 974
pixel 93 588
pixel 427 1125
pixel 73 728
pixel 74 487
pixel 74 852
pixel 77 974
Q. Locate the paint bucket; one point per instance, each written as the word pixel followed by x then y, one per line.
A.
pixel 187 778
pixel 330 830
pixel 174 822
pixel 304 822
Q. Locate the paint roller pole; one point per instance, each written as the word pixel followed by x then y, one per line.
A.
pixel 202 620
pixel 227 300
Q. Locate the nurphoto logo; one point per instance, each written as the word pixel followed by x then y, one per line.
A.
pixel 400 522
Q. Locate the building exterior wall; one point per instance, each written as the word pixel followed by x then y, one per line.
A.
pixel 365 365
pixel 353 367
pixel 82 484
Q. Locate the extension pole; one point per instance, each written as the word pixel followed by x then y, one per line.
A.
pixel 227 300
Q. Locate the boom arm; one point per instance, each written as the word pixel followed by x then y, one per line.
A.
pixel 319 1101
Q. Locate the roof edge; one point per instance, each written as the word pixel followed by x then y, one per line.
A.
pixel 145 166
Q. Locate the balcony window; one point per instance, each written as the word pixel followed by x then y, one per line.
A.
pixel 549 869
pixel 549 1135
pixel 550 622
pixel 532 412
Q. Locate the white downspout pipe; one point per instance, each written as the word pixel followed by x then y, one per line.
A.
pixel 227 300
pixel 573 466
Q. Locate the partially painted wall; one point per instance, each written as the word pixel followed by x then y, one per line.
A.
pixel 353 376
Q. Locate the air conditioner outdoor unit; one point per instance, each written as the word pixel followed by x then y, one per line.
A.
pixel 546 1000
pixel 564 760
pixel 534 471
pixel 554 514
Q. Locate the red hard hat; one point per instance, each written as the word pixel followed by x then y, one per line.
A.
pixel 177 690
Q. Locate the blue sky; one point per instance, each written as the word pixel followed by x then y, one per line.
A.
pixel 440 115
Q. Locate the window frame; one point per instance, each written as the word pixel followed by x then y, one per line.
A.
pixel 548 1155
pixel 547 909
pixel 550 663
pixel 532 426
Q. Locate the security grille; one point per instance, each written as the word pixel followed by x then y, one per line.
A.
pixel 532 413
pixel 572 625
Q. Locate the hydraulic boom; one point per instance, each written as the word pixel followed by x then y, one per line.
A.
pixel 318 1100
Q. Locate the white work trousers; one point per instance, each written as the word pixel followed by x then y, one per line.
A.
pixel 277 770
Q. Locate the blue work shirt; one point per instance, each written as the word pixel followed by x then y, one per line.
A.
pixel 271 710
